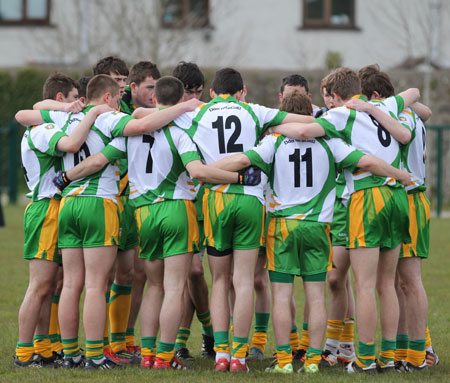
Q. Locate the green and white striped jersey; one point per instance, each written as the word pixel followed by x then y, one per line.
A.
pixel 41 160
pixel 302 174
pixel 414 152
pixel 156 165
pixel 226 126
pixel 365 133
pixel 103 184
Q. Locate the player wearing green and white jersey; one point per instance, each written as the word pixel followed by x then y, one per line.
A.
pixel 102 89
pixel 302 178
pixel 409 286
pixel 42 147
pixel 163 192
pixel 233 214
pixel 377 209
pixel 129 279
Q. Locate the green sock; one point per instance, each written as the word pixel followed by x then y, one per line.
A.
pixel 261 322
pixel 221 341
pixel 387 351
pixel 205 320
pixel 366 353
pixel 182 337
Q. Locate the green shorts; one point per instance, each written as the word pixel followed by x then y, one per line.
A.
pixel 338 228
pixel 128 231
pixel 419 227
pixel 232 221
pixel 298 247
pixel 167 228
pixel 201 233
pixel 378 217
pixel 40 227
pixel 87 222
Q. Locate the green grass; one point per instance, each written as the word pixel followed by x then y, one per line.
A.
pixel 14 279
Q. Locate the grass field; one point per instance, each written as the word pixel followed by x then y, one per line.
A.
pixel 14 278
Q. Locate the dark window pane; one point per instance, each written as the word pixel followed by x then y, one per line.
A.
pixel 171 11
pixel 341 12
pixel 315 9
pixel 197 9
pixel 11 10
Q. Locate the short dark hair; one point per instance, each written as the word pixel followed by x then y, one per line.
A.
pixel 227 81
pixel 169 90
pixel 58 82
pixel 190 75
pixel 110 64
pixel 83 81
pixel 344 82
pixel 294 80
pixel 373 79
pixel 143 69
pixel 99 85
pixel 296 102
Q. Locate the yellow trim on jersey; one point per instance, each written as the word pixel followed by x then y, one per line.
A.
pixel 111 222
pixel 78 191
pixel 49 232
pixel 407 112
pixel 201 106
pixel 224 96
pixel 356 219
pixel 378 200
pixel 359 172
pixel 270 245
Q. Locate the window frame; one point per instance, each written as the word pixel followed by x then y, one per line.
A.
pixel 27 20
pixel 184 21
pixel 324 23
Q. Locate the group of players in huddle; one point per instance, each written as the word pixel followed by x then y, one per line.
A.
pixel 132 184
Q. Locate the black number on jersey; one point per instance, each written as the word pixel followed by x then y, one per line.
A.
pixel 383 134
pixel 81 154
pixel 232 147
pixel 150 140
pixel 297 159
pixel 25 172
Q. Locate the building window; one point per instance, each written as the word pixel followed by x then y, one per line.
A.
pixel 329 14
pixel 185 13
pixel 24 12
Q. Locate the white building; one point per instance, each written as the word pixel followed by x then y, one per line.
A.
pixel 250 34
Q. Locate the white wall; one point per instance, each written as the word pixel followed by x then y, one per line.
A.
pixel 258 34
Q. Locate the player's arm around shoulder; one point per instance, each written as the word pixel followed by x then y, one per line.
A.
pixel 73 142
pixel 379 167
pixel 393 126
pixel 299 131
pixel 157 120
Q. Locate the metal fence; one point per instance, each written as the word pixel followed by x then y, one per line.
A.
pixel 438 176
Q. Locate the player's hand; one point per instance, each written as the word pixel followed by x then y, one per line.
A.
pixel 359 105
pixel 192 104
pixel 250 176
pixel 61 180
pixel 100 109
pixel 74 107
pixel 404 178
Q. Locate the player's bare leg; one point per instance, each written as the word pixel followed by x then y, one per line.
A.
pixel 69 310
pixel 262 308
pixel 139 280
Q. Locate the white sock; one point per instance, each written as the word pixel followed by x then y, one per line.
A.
pixel 222 355
pixel 241 360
